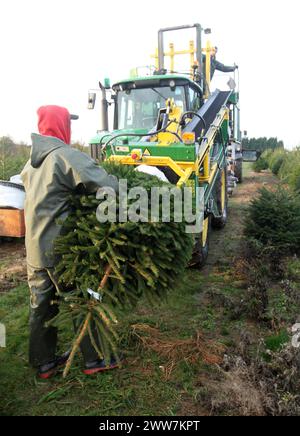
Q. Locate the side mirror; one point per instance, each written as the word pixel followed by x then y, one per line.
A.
pixel 91 100
pixel 207 31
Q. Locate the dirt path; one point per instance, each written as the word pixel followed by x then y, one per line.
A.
pixel 224 244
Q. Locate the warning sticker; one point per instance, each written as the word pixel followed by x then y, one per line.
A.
pixel 146 152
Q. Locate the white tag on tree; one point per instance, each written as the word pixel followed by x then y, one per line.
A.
pixel 95 295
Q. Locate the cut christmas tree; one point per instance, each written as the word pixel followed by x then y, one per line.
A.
pixel 108 267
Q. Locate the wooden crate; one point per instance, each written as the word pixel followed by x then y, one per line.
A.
pixel 12 223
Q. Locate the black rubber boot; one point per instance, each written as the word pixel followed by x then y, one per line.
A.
pixel 101 366
pixel 50 369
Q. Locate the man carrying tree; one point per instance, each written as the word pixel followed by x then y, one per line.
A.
pixel 53 172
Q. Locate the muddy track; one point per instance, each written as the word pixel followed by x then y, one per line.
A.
pixel 225 244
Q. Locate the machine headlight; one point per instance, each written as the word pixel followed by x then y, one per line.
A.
pixel 172 84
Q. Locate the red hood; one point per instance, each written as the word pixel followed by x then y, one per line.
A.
pixel 55 121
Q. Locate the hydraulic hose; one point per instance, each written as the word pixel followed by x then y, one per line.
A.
pixel 195 114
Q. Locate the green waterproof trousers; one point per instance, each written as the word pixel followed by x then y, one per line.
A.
pixel 44 290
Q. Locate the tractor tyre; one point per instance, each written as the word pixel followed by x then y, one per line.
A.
pixel 222 200
pixel 201 247
pixel 238 172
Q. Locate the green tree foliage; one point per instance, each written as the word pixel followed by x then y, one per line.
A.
pixel 283 163
pixel 260 165
pixel 274 219
pixel 261 144
pixel 263 162
pixel 290 169
pixel 267 154
pixel 13 157
pixel 276 160
pixel 136 260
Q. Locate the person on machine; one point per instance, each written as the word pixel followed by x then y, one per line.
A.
pixel 216 65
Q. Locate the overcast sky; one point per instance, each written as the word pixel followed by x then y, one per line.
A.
pixel 53 51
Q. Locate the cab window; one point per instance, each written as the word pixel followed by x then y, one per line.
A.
pixel 139 108
pixel 194 100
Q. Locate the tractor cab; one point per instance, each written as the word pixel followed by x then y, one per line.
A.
pixel 139 102
pixel 146 105
pixel 141 106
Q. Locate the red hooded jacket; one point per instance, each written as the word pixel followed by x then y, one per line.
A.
pixel 55 121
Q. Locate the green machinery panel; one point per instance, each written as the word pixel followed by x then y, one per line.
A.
pixel 178 152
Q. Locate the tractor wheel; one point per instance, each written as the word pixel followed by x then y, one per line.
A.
pixel 201 248
pixel 222 200
pixel 238 172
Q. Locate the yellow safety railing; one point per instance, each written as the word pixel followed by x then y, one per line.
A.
pixel 208 52
pixel 172 53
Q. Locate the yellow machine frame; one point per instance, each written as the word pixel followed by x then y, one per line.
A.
pixel 208 51
pixel 185 169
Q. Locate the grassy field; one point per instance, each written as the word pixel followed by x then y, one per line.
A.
pixel 195 354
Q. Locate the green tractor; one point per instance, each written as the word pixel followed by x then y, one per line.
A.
pixel 172 122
